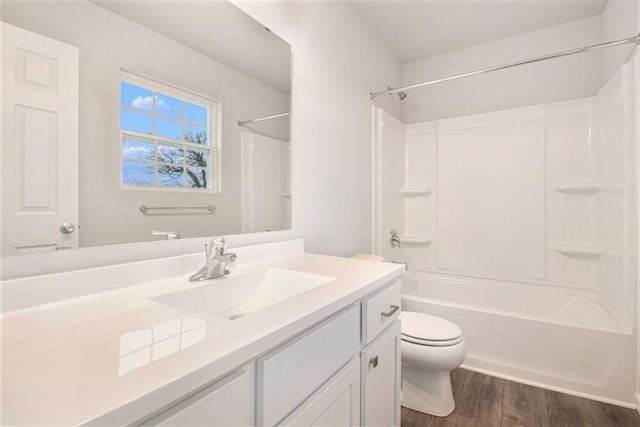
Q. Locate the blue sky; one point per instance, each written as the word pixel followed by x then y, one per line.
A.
pixel 141 121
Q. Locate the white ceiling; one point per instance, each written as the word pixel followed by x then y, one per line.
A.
pixel 217 29
pixel 417 29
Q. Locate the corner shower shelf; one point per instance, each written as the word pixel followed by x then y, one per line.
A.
pixel 586 188
pixel 415 191
pixel 415 240
pixel 588 251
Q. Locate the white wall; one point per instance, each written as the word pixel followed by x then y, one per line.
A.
pixel 108 42
pixel 617 114
pixel 550 81
pixel 637 193
pixel 637 281
pixel 619 20
pixel 337 60
pixel 492 210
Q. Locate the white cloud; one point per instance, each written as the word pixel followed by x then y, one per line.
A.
pixel 161 104
pixel 146 103
pixel 134 151
pixel 142 102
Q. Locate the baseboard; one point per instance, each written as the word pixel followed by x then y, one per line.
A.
pixel 631 405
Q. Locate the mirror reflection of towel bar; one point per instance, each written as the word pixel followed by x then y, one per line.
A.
pixel 43 246
pixel 144 208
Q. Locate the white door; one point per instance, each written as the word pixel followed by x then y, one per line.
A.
pixel 337 403
pixel 266 198
pixel 39 156
pixel 381 379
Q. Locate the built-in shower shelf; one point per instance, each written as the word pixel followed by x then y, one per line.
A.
pixel 415 240
pixel 589 251
pixel 578 188
pixel 415 191
pixel 586 188
pixel 286 195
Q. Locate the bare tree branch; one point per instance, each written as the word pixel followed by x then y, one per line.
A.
pixel 173 163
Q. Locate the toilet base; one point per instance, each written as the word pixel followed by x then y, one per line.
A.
pixel 428 392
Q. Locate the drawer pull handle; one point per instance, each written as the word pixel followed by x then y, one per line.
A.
pixel 373 362
pixel 391 312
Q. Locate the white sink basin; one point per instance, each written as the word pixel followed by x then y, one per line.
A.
pixel 232 297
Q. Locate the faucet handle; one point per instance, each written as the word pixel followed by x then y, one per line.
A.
pixel 218 244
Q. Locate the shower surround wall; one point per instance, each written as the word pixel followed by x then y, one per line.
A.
pixel 518 225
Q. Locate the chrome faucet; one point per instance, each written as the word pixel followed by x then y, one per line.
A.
pixel 216 261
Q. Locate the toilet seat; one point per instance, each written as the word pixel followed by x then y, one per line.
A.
pixel 432 343
pixel 428 330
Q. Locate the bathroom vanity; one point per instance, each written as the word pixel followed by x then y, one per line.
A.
pixel 287 338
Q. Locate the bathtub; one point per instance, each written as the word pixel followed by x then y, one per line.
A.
pixel 563 340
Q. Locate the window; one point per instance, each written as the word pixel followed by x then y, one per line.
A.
pixel 167 136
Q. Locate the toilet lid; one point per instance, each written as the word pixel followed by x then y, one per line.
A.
pixel 431 343
pixel 424 327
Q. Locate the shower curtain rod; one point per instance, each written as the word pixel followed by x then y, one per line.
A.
pixel 635 39
pixel 275 116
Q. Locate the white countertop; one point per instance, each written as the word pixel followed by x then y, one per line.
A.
pixel 115 356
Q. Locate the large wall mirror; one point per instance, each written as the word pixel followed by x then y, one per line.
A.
pixel 129 121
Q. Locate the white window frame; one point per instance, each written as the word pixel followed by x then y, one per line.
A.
pixel 214 106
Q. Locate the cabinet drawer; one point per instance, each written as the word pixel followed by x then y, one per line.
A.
pixel 228 402
pixel 290 374
pixel 380 310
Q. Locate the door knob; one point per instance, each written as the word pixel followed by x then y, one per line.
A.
pixel 67 228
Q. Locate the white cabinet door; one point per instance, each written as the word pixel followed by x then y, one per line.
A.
pixel 381 379
pixel 39 156
pixel 337 403
pixel 292 373
pixel 228 402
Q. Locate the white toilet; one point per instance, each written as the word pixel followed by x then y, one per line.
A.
pixel 431 348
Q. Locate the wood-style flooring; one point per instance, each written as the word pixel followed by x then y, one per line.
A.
pixel 485 401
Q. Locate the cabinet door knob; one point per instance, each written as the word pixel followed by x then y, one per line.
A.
pixel 390 313
pixel 373 362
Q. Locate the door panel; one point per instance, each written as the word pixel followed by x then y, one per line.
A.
pixel 293 372
pixel 381 379
pixel 337 403
pixel 229 402
pixel 39 154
